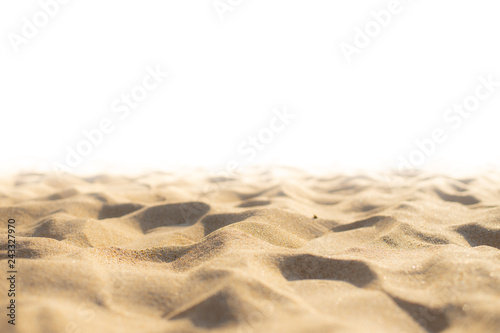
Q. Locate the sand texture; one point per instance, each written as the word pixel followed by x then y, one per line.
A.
pixel 268 252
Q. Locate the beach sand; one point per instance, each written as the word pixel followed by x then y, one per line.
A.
pixel 268 252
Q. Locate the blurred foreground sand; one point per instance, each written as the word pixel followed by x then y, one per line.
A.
pixel 262 253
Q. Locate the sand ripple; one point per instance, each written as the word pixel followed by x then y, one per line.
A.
pixel 263 253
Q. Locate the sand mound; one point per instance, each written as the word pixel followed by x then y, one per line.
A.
pixel 270 252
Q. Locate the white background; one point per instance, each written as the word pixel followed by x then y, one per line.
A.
pixel 227 75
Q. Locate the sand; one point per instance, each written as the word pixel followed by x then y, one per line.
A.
pixel 275 251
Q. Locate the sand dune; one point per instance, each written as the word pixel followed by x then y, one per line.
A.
pixel 269 252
